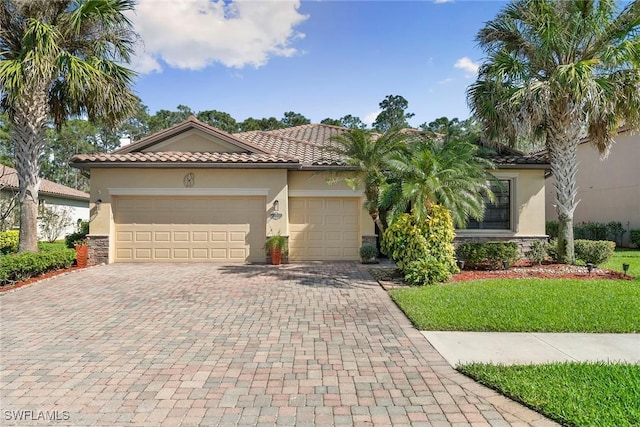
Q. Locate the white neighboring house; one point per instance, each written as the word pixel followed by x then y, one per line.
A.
pixel 51 195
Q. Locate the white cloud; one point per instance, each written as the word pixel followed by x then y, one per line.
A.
pixel 445 81
pixel 442 1
pixel 371 117
pixel 192 34
pixel 468 65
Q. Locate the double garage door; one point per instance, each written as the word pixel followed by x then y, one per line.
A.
pixel 231 229
pixel 189 229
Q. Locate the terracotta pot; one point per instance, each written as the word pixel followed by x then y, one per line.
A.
pixel 276 256
pixel 82 253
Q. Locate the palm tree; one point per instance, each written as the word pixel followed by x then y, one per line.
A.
pixel 450 173
pixel 558 71
pixel 367 154
pixel 59 59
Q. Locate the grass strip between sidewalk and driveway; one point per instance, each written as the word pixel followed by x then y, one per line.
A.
pixel 575 394
pixel 524 305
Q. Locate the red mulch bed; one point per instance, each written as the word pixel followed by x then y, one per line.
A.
pixel 525 269
pixel 47 275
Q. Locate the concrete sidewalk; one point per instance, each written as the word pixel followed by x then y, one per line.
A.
pixel 512 348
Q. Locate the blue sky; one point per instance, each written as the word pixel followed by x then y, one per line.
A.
pixel 318 58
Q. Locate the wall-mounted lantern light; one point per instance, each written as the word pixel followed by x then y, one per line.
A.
pixel 275 214
pixel 97 203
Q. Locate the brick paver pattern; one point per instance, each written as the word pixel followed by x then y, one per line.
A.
pixel 247 345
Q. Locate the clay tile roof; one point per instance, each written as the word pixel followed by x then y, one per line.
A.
pixel 304 142
pixel 175 157
pixel 301 145
pixel 509 157
pixel 9 179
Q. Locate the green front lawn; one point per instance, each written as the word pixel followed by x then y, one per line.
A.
pixel 524 305
pixel 576 394
pixel 625 256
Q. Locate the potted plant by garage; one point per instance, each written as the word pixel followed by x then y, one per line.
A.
pixel 368 254
pixel 82 251
pixel 276 246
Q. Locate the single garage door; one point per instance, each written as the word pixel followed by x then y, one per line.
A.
pixel 189 229
pixel 324 228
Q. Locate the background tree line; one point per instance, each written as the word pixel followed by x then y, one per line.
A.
pixel 79 136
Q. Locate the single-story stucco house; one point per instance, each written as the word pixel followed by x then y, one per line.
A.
pixel 51 195
pixel 195 193
pixel 608 189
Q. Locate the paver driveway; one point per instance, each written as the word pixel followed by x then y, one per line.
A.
pixel 200 344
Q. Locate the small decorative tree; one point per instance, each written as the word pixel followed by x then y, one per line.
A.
pixel 53 221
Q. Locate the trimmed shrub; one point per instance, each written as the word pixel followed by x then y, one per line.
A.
pixel 427 270
pixel 493 253
pixel 594 251
pixel 472 253
pixel 615 231
pixel 590 231
pixel 634 236
pixel 551 249
pixel 537 253
pixel 19 267
pixel 423 250
pixel 82 232
pixel 551 229
pixel 368 252
pixel 9 241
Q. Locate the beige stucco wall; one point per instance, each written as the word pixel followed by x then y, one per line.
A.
pixel 143 181
pixel 528 208
pixel 609 189
pixel 196 141
pixel 305 184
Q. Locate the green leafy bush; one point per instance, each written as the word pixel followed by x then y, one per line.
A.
pixel 551 229
pixel 552 249
pixel 368 252
pixel 492 253
pixel 472 253
pixel 9 241
pixel 82 232
pixel 423 250
pixel 615 231
pixel 635 236
pixel 427 270
pixel 590 231
pixel 537 253
pixel 594 251
pixel 19 267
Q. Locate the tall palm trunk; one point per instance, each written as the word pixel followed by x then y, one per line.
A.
pixel 563 156
pixel 28 132
pixel 372 207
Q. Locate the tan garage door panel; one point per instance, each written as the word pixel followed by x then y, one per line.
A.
pixel 189 229
pixel 324 228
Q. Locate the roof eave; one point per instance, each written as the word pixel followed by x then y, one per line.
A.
pixel 544 166
pixel 327 167
pixel 183 165
pixel 50 194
